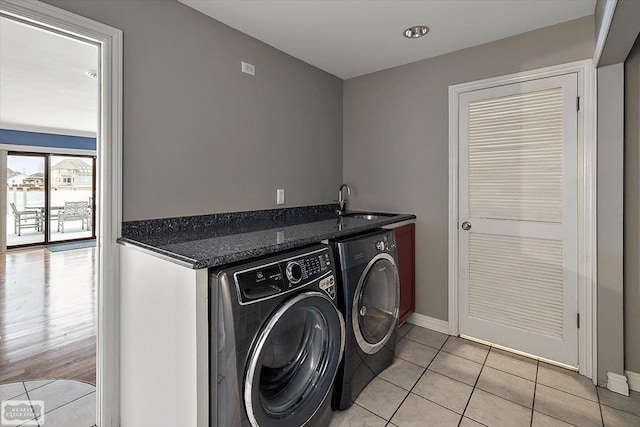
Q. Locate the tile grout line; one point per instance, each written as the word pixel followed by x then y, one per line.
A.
pixel 52 381
pixel 24 387
pixel 427 345
pixel 562 391
pixel 600 406
pixel 493 394
pixel 438 350
pixel 485 391
pixel 414 385
pixel 33 411
pixel 572 394
pixel 441 349
pixel 445 351
pixel 617 409
pixel 474 386
pixel 19 394
pixel 535 381
pixel 422 397
pixel 360 406
pixel 535 387
pixel 511 373
pixel 71 401
pixel 59 407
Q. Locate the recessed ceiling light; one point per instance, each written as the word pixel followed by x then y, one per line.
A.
pixel 416 31
pixel 91 73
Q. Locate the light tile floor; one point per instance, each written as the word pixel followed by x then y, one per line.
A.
pixel 438 380
pixel 67 403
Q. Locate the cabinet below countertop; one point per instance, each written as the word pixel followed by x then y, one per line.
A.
pixel 406 244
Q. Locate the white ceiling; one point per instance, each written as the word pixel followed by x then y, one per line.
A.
pixel 353 37
pixel 43 86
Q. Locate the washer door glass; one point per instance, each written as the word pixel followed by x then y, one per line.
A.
pixel 375 305
pixel 294 362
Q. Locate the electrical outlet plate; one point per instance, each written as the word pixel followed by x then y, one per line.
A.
pixel 248 68
pixel 280 196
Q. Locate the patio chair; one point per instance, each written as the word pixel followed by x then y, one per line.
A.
pixel 74 211
pixel 25 219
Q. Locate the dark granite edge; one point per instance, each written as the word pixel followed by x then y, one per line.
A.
pixel 265 250
pixel 131 229
pixel 174 257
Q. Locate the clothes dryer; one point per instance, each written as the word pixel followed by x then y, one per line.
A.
pixel 369 298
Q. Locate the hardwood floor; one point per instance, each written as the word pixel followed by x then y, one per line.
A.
pixel 48 315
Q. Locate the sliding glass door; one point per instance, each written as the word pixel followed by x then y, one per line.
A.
pixel 50 198
pixel 71 197
pixel 25 199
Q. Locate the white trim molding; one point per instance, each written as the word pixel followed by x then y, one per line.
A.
pixel 587 188
pixel 633 380
pixel 45 129
pixel 601 37
pixel 3 196
pixel 109 186
pixel 617 383
pixel 47 150
pixel 429 323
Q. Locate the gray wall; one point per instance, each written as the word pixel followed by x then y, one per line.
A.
pixel 201 137
pixel 610 224
pixel 396 135
pixel 632 210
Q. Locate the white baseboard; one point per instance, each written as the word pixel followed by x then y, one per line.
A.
pixel 429 323
pixel 634 380
pixel 617 383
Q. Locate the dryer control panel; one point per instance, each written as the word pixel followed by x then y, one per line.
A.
pixel 386 243
pixel 273 278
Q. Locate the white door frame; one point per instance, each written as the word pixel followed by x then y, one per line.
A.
pixel 587 169
pixel 109 188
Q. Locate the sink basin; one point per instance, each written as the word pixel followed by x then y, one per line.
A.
pixel 367 216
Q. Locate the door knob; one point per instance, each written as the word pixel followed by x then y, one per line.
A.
pixel 466 226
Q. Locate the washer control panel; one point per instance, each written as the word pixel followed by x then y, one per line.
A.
pixel 270 279
pixel 294 272
pixel 315 265
pixel 328 284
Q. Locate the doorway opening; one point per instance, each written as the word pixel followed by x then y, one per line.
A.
pixel 472 234
pixel 108 217
pixel 50 99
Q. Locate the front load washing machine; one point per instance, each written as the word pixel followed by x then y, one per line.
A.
pixel 369 298
pixel 276 340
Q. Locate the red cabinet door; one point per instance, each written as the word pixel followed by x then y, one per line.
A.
pixel 406 246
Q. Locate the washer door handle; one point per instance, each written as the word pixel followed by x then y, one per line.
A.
pixel 363 310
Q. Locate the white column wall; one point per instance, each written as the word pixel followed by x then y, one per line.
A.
pixel 3 201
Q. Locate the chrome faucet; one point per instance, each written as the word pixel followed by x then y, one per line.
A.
pixel 342 200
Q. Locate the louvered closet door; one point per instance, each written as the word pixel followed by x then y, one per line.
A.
pixel 518 193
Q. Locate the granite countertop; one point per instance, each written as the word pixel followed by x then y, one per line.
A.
pixel 214 240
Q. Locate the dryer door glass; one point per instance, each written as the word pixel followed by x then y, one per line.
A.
pixel 375 305
pixel 293 364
